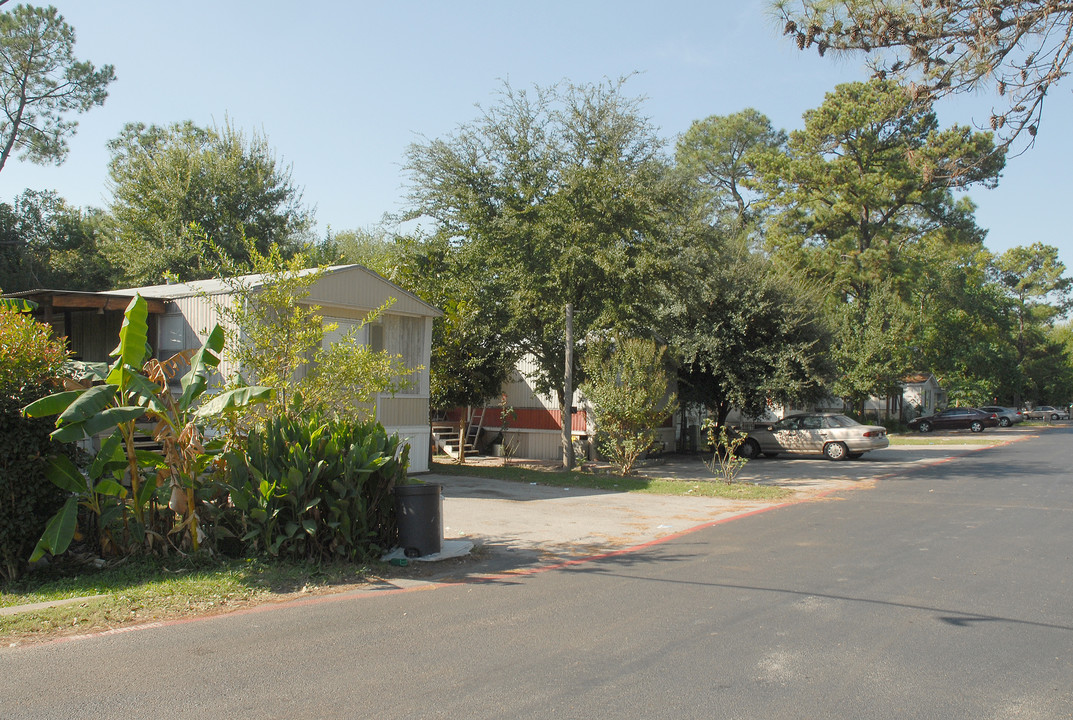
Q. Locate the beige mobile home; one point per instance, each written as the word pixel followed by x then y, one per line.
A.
pixel 181 316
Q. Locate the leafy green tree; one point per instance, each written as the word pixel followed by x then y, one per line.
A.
pixel 43 83
pixel 563 196
pixel 1048 371
pixel 276 338
pixel 375 248
pixel 714 154
pixel 473 352
pixel 45 243
pixel 963 331
pixel 872 350
pixel 745 335
pixel 1033 279
pixel 628 385
pixel 852 194
pixel 1021 48
pixel 175 186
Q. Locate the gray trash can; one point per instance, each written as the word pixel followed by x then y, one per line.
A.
pixel 419 512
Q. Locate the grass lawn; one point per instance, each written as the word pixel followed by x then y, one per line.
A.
pixel 148 589
pixel 616 483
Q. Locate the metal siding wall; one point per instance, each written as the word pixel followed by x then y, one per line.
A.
pixel 419 439
pixel 539 445
pixel 358 287
pixel 201 316
pixel 403 411
pixel 404 336
pixel 521 393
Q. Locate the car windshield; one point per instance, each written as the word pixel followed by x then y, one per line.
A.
pixel 840 421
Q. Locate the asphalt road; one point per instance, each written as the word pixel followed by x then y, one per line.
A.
pixel 944 593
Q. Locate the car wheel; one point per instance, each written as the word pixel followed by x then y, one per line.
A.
pixel 1054 416
pixel 835 451
pixel 924 427
pixel 976 426
pixel 749 449
pixel 1004 422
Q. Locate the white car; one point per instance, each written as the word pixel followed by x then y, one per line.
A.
pixel 836 436
pixel 1046 412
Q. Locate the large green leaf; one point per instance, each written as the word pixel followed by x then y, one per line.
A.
pixel 197 379
pixel 111 417
pixel 149 458
pixel 108 486
pixel 146 390
pixel 104 420
pixel 145 492
pixel 133 348
pixel 233 400
pixel 89 403
pixel 59 532
pixel 110 454
pixel 51 405
pixel 20 304
pixel 63 474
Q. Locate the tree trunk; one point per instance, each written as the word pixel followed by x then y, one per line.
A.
pixel 568 391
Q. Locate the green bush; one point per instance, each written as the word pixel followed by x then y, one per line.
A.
pixel 308 487
pixel 28 356
pixel 27 499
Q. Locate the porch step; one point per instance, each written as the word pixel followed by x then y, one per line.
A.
pixel 448 441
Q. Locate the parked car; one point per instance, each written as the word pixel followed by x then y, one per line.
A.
pixel 956 418
pixel 836 436
pixel 1046 412
pixel 1006 415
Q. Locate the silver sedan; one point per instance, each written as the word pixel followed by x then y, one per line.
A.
pixel 836 436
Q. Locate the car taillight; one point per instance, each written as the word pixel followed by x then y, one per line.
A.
pixel 875 433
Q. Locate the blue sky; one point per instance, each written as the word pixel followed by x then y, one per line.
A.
pixel 340 89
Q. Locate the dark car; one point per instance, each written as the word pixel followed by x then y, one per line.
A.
pixel 957 418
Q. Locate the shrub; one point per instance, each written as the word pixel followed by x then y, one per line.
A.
pixel 28 356
pixel 628 387
pixel 309 487
pixel 277 338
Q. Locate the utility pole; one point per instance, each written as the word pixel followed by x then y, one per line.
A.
pixel 568 392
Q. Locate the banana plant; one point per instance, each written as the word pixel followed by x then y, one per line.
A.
pixel 116 405
pixel 179 421
pixel 126 396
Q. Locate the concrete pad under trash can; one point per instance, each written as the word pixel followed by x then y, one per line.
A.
pixel 448 549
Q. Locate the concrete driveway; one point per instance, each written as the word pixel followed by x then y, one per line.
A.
pixel 521 524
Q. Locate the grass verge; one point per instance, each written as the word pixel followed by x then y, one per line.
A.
pixel 616 483
pixel 141 590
